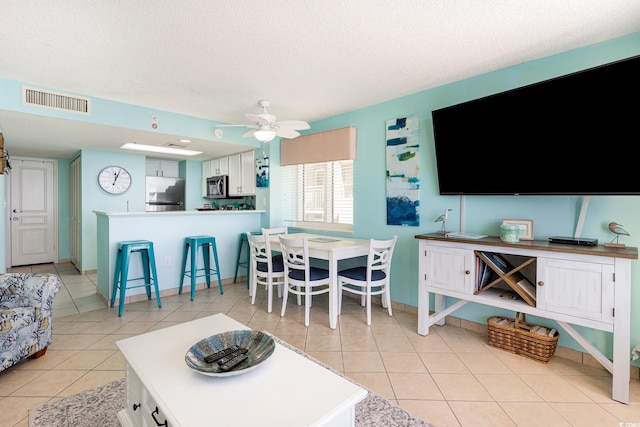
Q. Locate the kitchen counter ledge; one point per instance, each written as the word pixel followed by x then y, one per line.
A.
pixel 189 212
pixel 167 231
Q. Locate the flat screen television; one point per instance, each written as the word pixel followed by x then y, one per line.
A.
pixel 571 135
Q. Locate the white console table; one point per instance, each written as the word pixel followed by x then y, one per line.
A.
pixel 575 285
pixel 286 390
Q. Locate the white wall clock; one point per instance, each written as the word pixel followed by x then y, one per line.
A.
pixel 114 179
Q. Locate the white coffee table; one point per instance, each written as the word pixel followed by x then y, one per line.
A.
pixel 286 390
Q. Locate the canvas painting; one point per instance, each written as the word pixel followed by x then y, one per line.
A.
pixel 403 171
pixel 262 172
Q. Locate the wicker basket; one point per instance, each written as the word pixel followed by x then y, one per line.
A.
pixel 514 335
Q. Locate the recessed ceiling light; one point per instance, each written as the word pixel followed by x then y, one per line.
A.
pixel 158 149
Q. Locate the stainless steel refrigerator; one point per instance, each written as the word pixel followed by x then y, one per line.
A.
pixel 164 194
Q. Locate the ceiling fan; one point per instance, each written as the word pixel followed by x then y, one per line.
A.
pixel 265 126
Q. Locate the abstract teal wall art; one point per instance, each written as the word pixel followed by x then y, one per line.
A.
pixel 262 172
pixel 403 171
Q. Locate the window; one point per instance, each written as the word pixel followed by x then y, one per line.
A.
pixel 319 195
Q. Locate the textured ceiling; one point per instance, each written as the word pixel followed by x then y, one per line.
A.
pixel 313 59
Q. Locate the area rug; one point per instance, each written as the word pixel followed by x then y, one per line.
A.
pixel 99 406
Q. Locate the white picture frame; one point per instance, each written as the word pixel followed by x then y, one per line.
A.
pixel 525 227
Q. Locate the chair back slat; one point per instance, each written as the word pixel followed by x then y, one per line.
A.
pixel 295 253
pixel 275 231
pixel 267 232
pixel 258 247
pixel 380 255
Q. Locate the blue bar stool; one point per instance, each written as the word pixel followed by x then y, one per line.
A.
pixel 208 245
pixel 121 276
pixel 244 243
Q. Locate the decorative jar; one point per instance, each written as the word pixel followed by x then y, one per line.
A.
pixel 509 233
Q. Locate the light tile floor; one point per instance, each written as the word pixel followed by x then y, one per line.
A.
pixel 451 377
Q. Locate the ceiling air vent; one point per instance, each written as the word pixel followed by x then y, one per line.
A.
pixel 57 101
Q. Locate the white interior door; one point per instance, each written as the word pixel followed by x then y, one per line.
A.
pixel 76 206
pixel 33 204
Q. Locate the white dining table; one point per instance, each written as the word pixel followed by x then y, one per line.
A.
pixel 331 249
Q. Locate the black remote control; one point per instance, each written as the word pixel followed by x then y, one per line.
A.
pixel 233 362
pixel 232 355
pixel 220 354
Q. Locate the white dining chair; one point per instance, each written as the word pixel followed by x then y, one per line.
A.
pixel 300 278
pixel 372 279
pixel 276 231
pixel 266 270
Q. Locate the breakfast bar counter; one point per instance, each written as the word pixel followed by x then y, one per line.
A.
pixel 167 231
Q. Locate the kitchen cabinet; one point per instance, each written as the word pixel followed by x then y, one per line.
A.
pixel 241 171
pixel 160 167
pixel 574 285
pixel 242 179
pixel 219 167
pixel 206 173
pixel 213 167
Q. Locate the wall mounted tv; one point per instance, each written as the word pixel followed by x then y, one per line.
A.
pixel 571 135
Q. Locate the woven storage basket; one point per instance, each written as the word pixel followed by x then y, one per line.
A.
pixel 516 338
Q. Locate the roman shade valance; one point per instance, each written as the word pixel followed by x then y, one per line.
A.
pixel 327 146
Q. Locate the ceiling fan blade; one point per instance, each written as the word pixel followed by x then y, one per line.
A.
pixel 287 133
pixel 292 124
pixel 259 119
pixel 248 134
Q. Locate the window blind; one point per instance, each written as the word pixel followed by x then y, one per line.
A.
pixel 318 193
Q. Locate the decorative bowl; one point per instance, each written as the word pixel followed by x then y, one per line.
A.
pixel 258 344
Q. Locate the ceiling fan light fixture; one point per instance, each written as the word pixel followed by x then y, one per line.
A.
pixel 264 135
pixel 266 126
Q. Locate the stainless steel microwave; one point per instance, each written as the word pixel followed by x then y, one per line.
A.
pixel 217 187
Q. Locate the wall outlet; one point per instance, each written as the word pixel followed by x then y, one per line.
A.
pixel 167 261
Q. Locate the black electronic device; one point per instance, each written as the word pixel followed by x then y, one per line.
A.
pixel 579 241
pixel 538 139
pixel 232 363
pixel 220 354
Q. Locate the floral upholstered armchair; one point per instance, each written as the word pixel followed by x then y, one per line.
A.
pixel 26 309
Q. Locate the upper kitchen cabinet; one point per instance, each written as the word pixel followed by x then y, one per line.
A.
pixel 213 167
pixel 161 167
pixel 220 166
pixel 242 180
pixel 206 173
